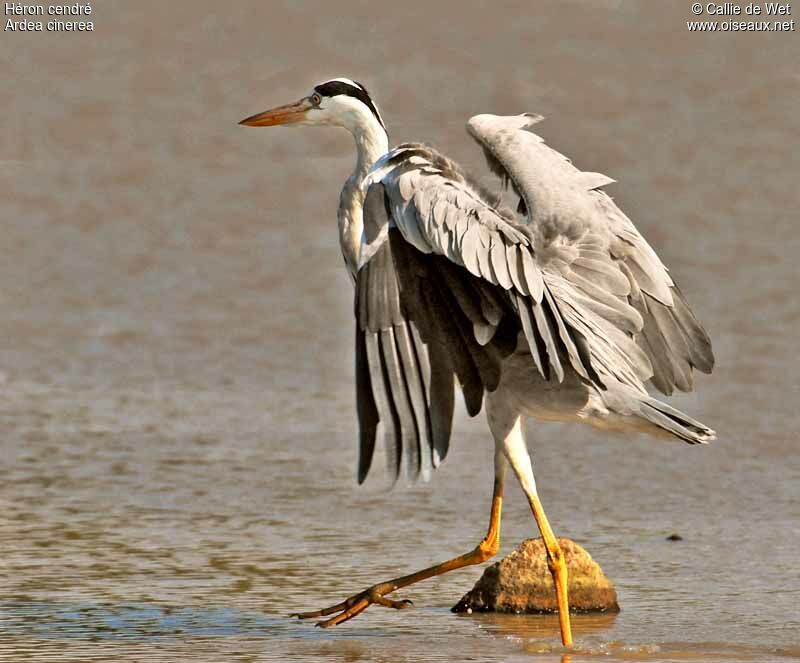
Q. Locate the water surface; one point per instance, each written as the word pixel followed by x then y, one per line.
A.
pixel 178 451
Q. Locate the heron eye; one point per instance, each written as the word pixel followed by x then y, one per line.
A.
pixel 316 99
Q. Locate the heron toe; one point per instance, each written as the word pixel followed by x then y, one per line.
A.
pixel 355 605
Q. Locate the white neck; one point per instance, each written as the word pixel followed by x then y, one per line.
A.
pixel 371 143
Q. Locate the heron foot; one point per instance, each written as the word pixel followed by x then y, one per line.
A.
pixel 355 605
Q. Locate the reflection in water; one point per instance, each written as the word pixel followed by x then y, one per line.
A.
pixel 543 627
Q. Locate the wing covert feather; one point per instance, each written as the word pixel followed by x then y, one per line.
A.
pixel 577 230
pixel 444 215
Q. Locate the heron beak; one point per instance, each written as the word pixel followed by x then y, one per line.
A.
pixel 288 114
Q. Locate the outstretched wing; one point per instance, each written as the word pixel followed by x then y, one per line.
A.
pixel 414 336
pixel 583 236
pixel 445 287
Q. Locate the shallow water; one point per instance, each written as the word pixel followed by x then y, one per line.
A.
pixel 178 430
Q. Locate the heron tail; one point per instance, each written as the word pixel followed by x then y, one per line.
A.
pixel 676 422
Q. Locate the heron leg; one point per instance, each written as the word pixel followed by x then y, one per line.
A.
pixel 488 547
pixel 507 427
pixel 557 566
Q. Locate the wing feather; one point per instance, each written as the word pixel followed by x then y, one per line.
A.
pixel 368 416
pixel 399 394
pixel 546 328
pixel 386 412
pixel 417 393
pixel 516 270
pixel 418 314
pixel 533 277
pixel 500 265
pixel 446 283
pixel 535 341
pixel 578 231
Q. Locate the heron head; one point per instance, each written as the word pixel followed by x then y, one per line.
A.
pixel 339 102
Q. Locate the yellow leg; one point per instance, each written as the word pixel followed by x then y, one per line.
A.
pixel 357 603
pixel 557 566
pixel 508 428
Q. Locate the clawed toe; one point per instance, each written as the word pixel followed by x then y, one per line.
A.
pixel 319 613
pixel 397 605
pixel 353 606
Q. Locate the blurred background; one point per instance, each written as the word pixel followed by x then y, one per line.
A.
pixel 177 421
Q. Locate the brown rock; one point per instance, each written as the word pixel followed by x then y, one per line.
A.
pixel 521 583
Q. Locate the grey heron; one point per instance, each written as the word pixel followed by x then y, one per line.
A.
pixel 560 311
